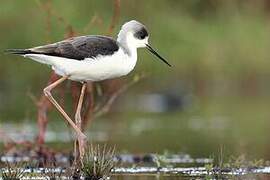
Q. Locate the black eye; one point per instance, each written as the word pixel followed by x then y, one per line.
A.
pixel 141 34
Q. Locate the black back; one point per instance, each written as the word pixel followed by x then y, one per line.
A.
pixel 77 48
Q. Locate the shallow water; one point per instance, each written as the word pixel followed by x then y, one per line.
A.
pixel 150 166
pixel 149 173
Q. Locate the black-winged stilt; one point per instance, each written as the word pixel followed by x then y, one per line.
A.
pixel 90 58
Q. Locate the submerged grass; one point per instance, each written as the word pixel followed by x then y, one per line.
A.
pixel 236 165
pixel 98 162
pixel 236 162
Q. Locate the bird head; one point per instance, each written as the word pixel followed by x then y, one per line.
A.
pixel 136 35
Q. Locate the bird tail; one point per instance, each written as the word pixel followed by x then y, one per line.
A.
pixel 18 51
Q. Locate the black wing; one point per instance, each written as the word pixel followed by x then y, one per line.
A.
pixel 77 48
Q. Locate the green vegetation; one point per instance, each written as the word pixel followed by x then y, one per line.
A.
pixel 242 162
pixel 98 162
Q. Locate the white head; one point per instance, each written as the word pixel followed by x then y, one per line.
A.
pixel 133 35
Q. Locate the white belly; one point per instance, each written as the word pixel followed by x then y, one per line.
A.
pixel 91 70
pixel 100 68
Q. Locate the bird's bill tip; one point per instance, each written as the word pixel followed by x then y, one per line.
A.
pixel 157 55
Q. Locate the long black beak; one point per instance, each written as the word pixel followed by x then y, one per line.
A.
pixel 156 54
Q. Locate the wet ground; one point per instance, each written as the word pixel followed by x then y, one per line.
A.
pixel 147 166
pixel 146 172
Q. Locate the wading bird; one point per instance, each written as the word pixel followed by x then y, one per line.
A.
pixel 90 58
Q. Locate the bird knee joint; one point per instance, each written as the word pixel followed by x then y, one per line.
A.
pixel 47 92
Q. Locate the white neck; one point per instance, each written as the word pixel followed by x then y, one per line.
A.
pixel 125 41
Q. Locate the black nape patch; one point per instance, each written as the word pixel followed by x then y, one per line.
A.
pixel 141 34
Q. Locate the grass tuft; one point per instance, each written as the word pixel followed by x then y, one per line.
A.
pixel 52 173
pixel 13 171
pixel 98 162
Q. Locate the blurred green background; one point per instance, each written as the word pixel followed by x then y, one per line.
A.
pixel 217 93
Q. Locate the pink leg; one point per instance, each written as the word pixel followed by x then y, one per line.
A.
pixel 47 91
pixel 78 120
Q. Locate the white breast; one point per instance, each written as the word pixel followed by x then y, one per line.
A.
pixel 97 69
